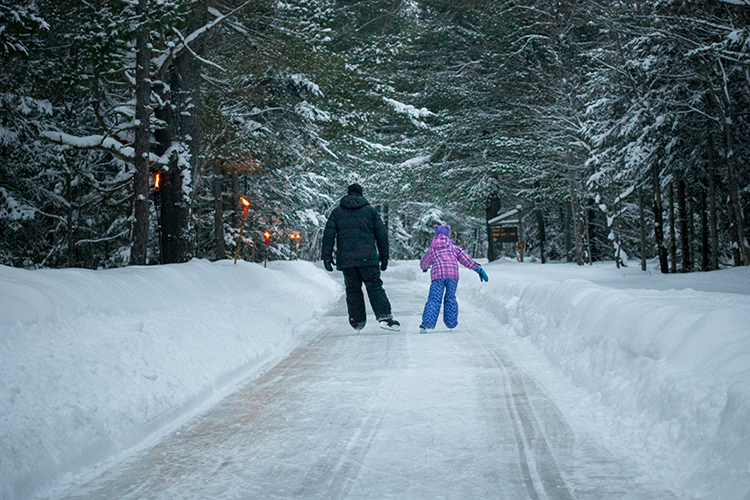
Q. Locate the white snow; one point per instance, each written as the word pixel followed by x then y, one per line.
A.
pixel 408 109
pixel 662 361
pixel 303 81
pixel 312 113
pixel 95 362
pixel 90 142
pixel 12 209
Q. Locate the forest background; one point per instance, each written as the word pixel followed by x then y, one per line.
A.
pixel 131 131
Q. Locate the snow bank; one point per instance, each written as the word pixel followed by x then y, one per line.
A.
pixel 669 364
pixel 93 362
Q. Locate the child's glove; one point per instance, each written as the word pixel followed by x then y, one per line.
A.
pixel 482 274
pixel 425 270
pixel 328 263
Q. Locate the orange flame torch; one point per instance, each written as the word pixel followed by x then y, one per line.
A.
pixel 267 235
pixel 157 191
pixel 242 226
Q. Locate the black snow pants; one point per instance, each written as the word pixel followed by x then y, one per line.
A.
pixel 355 299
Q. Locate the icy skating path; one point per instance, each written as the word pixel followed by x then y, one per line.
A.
pixel 382 415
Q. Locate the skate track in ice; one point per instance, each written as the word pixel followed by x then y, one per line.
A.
pixel 447 414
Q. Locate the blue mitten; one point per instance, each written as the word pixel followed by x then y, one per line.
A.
pixel 482 275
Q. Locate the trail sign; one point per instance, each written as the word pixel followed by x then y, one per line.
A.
pixel 504 234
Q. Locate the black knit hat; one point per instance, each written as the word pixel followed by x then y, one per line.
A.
pixel 355 189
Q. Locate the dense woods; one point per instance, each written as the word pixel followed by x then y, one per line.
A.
pixel 129 130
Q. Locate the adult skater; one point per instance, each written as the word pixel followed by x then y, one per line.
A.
pixel 361 253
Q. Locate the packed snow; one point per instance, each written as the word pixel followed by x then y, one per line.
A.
pixel 93 362
pixel 96 363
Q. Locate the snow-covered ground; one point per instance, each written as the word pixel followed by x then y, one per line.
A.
pixel 97 362
pixel 662 361
pixel 94 362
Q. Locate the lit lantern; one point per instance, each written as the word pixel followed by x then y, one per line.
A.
pixel 295 237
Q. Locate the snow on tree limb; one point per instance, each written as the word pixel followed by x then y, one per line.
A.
pixel 101 142
pixel 201 59
pixel 162 62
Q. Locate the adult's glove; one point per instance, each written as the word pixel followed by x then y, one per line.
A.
pixel 383 265
pixel 328 263
pixel 425 270
pixel 482 274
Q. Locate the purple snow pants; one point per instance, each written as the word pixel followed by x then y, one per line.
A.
pixel 431 312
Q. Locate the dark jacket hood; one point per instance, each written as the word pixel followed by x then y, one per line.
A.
pixel 353 202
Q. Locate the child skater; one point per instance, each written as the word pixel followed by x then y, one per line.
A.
pixel 443 256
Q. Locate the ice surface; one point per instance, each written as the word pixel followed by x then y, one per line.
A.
pixel 383 415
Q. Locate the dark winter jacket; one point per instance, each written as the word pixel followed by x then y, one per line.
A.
pixel 359 233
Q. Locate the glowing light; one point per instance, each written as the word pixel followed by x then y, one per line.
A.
pixel 156 181
pixel 244 201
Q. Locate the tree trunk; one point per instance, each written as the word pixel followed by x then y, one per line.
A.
pixel 659 221
pixel 542 235
pixel 236 214
pixel 704 230
pixel 736 256
pixel 734 195
pixel 386 215
pixel 714 216
pixel 219 247
pixel 142 136
pixel 574 206
pixel 614 233
pixel 520 249
pixel 672 232
pixel 492 208
pixel 187 96
pixel 71 212
pixel 692 241
pixel 642 216
pixel 588 225
pixel 176 242
pixel 176 235
pixel 684 228
pixel 565 214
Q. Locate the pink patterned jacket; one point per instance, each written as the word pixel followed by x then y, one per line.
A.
pixel 443 256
